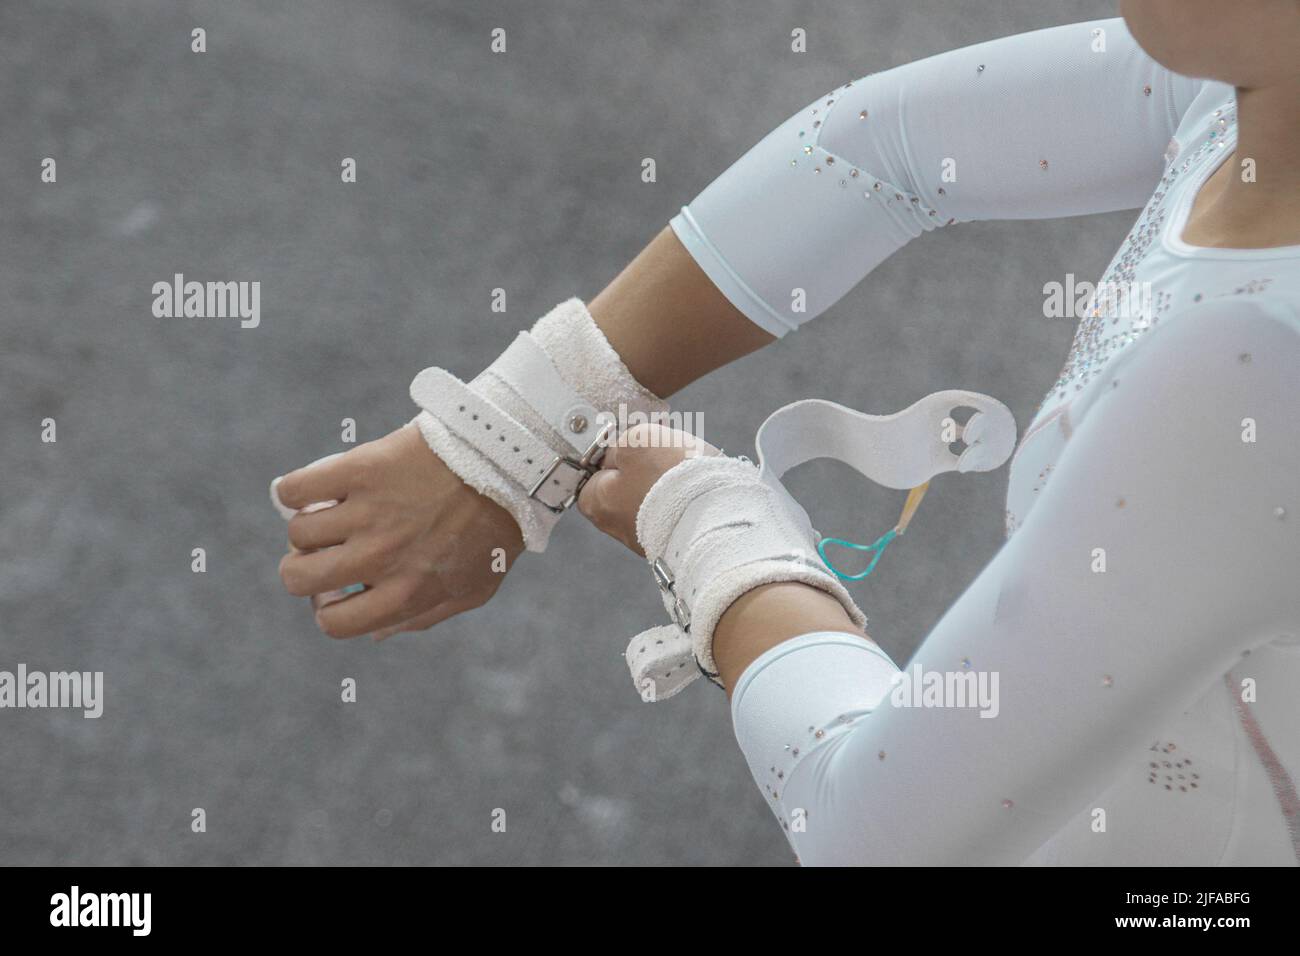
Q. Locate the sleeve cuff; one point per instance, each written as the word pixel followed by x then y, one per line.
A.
pixel 847 669
pixel 720 273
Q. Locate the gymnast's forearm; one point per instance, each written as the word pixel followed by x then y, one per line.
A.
pixel 667 320
pixel 770 615
pixel 802 217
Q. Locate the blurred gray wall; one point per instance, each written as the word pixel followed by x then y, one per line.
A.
pixel 475 171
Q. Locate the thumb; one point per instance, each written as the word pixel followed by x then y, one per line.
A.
pixel 604 499
pixel 598 494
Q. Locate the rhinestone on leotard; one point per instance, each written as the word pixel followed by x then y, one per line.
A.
pixel 1099 335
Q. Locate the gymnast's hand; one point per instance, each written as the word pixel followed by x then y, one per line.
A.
pixel 642 456
pixel 406 526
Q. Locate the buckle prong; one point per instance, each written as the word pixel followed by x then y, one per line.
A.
pixel 586 466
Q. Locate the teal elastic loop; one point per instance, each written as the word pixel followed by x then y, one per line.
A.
pixel 354 588
pixel 877 546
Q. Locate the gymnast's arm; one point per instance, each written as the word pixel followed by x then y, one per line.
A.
pixel 1058 122
pixel 1161 550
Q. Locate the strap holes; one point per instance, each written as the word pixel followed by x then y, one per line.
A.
pixel 515 447
pixel 474 417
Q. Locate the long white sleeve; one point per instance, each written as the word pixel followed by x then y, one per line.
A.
pixel 1058 122
pixel 1164 547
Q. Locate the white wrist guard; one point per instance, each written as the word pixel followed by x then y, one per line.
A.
pixel 716 528
pixel 712 530
pixel 530 429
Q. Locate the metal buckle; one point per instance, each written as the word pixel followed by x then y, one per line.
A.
pixel 680 613
pixel 586 466
pixel 567 503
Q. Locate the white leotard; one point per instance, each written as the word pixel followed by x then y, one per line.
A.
pixel 1149 580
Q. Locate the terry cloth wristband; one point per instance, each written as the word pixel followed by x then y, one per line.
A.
pixel 712 530
pixel 530 429
pixel 716 528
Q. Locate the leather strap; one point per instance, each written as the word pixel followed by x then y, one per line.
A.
pixel 902 450
pixel 527 369
pixel 662 662
pixel 552 479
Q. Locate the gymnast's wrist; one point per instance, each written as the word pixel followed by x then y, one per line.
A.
pixel 530 430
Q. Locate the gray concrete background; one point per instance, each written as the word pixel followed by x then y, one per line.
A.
pixel 475 171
